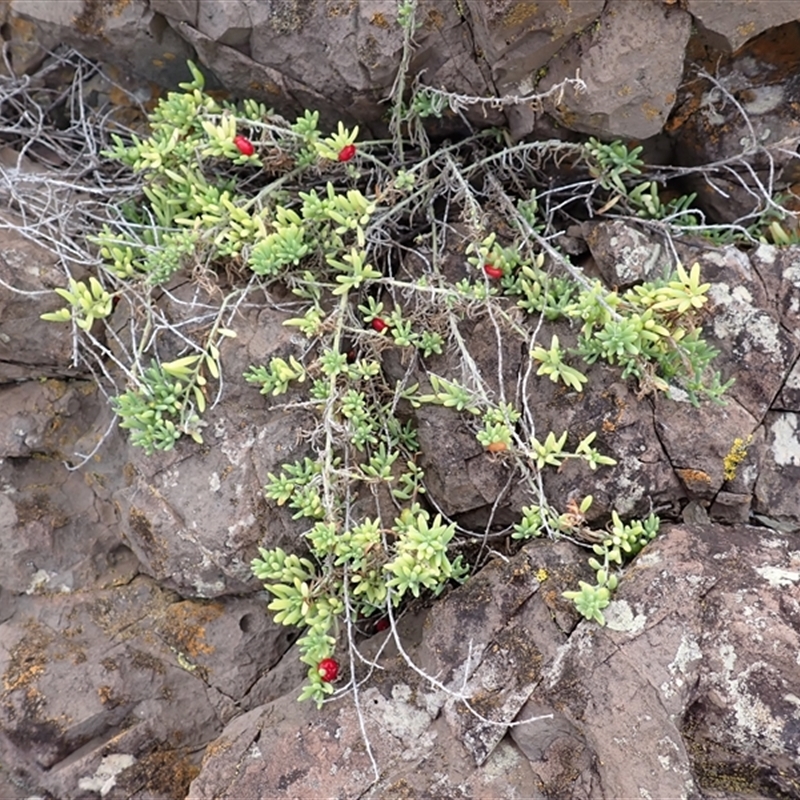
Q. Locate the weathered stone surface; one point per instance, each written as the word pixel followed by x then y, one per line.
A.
pixel 286 56
pixel 28 274
pixel 729 25
pixel 58 532
pixel 290 55
pixel 692 610
pixel 622 97
pixel 669 682
pixel 44 418
pixel 518 39
pixel 789 397
pixel 751 105
pixel 626 431
pixel 623 254
pixel 776 490
pixel 486 642
pixel 127 665
pixel 195 516
pixel 779 269
pixel 748 321
pixel 126 33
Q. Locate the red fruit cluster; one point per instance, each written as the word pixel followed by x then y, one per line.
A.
pixel 347 152
pixel 328 669
pixel 379 325
pixel 493 272
pixel 244 145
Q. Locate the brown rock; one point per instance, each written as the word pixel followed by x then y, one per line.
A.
pixel 28 273
pixel 727 26
pixel 126 33
pixel 677 691
pixel 106 688
pixel 623 98
pixel 747 110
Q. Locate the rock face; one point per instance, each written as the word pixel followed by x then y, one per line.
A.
pixel 693 674
pixel 341 56
pixel 621 40
pixel 137 568
pixel 137 660
pixel 748 103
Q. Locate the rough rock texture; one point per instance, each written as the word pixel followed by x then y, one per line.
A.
pixel 134 643
pixel 341 56
pixel 623 97
pixel 129 674
pixel 752 101
pixel 28 343
pixel 127 33
pixel 518 39
pixel 694 672
pixel 144 561
pixel 215 501
pixel 727 28
pixel 702 614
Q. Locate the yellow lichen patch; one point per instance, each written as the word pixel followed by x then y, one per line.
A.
pixel 92 18
pixel 22 29
pixel 542 574
pixel 340 8
pixel 270 87
pixel 217 747
pixel 107 696
pixel 27 659
pixel 184 626
pixel 650 111
pixel 162 773
pixel 434 20
pixel 746 29
pixel 520 13
pixel 735 456
pixel 379 20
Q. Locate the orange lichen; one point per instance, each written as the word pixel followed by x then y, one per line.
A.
pixel 746 29
pixel 520 13
pixel 27 659
pixel 650 111
pixel 694 478
pixel 433 20
pixel 340 8
pixel 162 773
pixel 184 624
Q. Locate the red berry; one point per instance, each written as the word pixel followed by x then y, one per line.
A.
pixel 347 152
pixel 379 325
pixel 328 669
pixel 493 272
pixel 244 144
pixel 382 624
